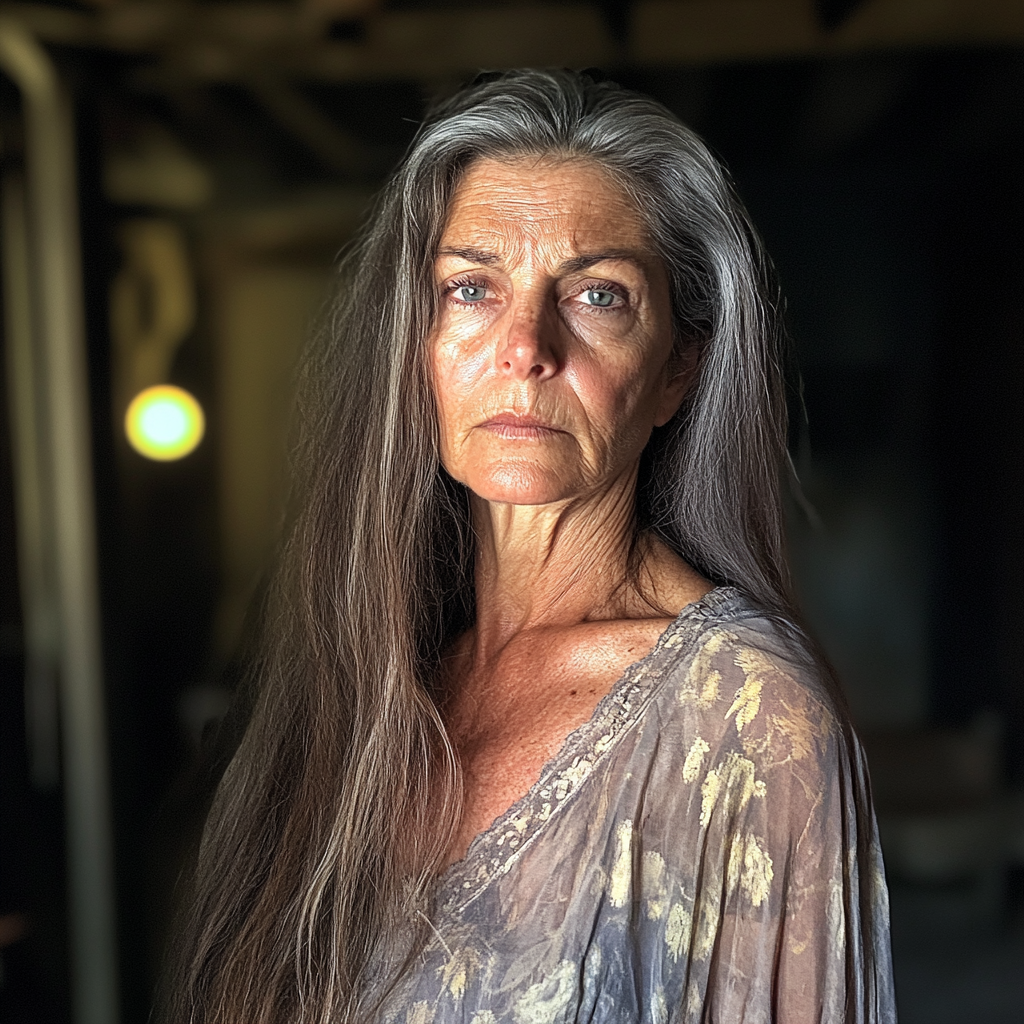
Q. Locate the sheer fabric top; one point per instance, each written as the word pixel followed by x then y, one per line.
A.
pixel 702 849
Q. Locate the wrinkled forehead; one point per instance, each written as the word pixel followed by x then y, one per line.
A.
pixel 519 205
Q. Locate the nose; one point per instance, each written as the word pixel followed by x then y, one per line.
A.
pixel 529 350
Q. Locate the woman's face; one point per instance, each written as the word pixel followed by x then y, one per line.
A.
pixel 551 356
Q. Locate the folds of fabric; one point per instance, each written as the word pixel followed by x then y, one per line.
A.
pixel 703 849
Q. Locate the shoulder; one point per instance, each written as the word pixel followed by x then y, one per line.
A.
pixel 752 748
pixel 757 811
pixel 739 681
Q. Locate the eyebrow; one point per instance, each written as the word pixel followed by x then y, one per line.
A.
pixel 588 259
pixel 569 266
pixel 471 255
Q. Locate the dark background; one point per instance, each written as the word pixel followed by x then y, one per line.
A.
pixel 889 187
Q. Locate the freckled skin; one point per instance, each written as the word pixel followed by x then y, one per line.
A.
pixel 552 363
pixel 533 344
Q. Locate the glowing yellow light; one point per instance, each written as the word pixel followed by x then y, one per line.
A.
pixel 164 423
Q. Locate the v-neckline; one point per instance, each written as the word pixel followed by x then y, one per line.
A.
pixel 493 852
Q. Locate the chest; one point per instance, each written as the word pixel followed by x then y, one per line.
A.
pixel 503 745
pixel 501 763
pixel 575 929
pixel 507 723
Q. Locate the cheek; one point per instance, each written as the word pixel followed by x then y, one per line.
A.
pixel 455 378
pixel 612 391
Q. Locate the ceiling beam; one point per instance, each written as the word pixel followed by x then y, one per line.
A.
pixel 235 41
pixel 322 136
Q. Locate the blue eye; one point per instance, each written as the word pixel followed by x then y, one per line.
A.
pixel 470 292
pixel 599 297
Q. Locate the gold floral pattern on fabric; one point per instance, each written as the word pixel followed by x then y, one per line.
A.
pixel 694 759
pixel 688 856
pixel 730 786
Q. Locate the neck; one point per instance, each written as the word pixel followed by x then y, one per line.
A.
pixel 551 565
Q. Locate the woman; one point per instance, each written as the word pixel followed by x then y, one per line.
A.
pixel 535 736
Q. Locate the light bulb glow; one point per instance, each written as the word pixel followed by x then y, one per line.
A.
pixel 164 423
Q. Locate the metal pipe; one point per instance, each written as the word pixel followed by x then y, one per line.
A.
pixel 53 224
pixel 31 488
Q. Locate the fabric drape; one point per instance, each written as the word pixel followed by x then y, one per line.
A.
pixel 702 849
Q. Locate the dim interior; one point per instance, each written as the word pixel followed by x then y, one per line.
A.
pixel 227 152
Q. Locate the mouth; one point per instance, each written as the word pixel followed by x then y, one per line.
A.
pixel 520 428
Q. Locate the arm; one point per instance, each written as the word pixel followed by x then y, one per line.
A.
pixel 789 920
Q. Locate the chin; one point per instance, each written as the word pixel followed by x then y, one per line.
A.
pixel 518 485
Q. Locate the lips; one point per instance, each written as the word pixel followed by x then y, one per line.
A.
pixel 526 427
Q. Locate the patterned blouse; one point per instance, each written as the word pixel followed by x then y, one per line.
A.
pixel 702 849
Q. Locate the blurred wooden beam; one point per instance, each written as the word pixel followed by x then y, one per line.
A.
pixel 417 44
pixel 237 40
pixel 323 137
pixel 706 31
pixel 712 31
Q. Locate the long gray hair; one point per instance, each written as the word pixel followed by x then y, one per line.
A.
pixel 335 813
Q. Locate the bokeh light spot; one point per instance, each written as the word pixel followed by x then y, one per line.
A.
pixel 164 423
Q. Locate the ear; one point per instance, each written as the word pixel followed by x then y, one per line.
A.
pixel 680 375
